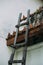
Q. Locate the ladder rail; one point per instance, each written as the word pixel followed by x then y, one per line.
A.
pixel 26 39
pixel 13 52
pixel 17 31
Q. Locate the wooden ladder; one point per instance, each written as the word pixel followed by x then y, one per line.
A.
pixel 23 61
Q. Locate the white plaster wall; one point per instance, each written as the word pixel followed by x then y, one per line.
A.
pixel 34 54
pixel 9 10
pixel 5 52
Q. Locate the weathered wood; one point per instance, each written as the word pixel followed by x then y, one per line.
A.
pixel 38 12
pixel 17 26
pixel 26 39
pixel 15 39
pixel 18 45
pixel 25 48
pixel 16 61
pixel 11 58
pixel 34 37
pixel 17 29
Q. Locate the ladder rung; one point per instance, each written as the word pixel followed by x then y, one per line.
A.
pixel 15 61
pixel 26 23
pixel 18 45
